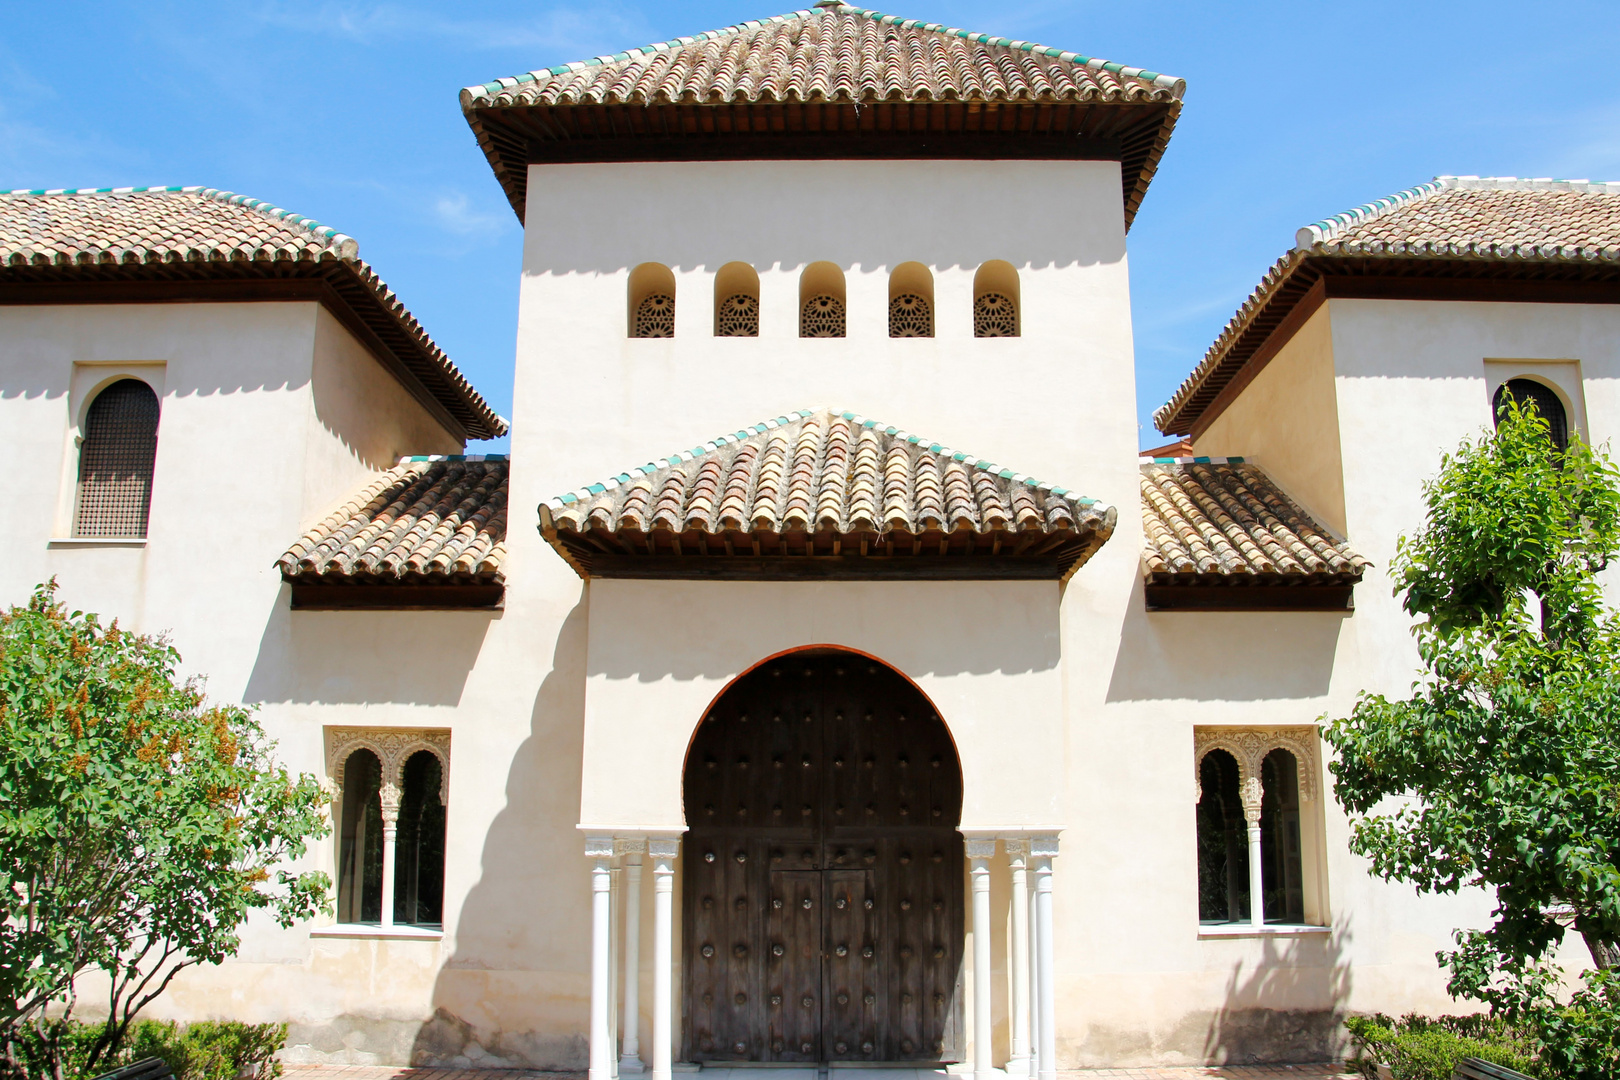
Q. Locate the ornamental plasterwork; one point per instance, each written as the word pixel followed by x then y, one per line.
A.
pixel 1249 747
pixel 910 315
pixel 393 747
pixel 655 316
pixel 822 316
pixel 738 316
pixel 995 315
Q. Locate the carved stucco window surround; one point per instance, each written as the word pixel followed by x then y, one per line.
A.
pixel 1249 748
pixel 394 748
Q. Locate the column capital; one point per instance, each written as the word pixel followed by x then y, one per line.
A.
pixel 1044 846
pixel 599 847
pixel 1017 847
pixel 629 845
pixel 981 849
pixel 663 847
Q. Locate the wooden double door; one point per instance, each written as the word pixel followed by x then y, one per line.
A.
pixel 823 883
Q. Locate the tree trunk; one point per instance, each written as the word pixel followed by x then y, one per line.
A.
pixel 1605 953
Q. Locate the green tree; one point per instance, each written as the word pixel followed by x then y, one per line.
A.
pixel 139 825
pixel 1502 769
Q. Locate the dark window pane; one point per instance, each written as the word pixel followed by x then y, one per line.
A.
pixel 1528 391
pixel 1280 861
pixel 116 461
pixel 1223 851
pixel 360 847
pixel 419 874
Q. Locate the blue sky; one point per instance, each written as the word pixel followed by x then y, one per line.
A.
pixel 347 112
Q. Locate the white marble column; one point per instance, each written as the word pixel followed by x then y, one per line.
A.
pixel 979 853
pixel 1043 849
pixel 662 852
pixel 615 899
pixel 1017 864
pixel 599 849
pixel 630 1056
pixel 388 798
pixel 1034 985
pixel 1252 799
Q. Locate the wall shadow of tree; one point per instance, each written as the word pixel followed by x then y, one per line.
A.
pixel 1289 1008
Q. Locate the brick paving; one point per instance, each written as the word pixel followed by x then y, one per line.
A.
pixel 1227 1072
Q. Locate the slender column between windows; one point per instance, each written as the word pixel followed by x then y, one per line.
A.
pixel 615 899
pixel 389 799
pixel 1033 985
pixel 1252 796
pixel 1044 849
pixel 630 1056
pixel 979 853
pixel 1017 856
pixel 599 849
pixel 662 853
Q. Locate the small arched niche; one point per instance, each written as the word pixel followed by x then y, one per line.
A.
pixel 996 302
pixel 652 301
pixel 821 301
pixel 116 461
pixel 911 301
pixel 736 301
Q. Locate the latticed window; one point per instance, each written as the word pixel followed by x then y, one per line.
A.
pixel 911 315
pixel 655 316
pixel 116 460
pixel 1528 392
pixel 995 315
pixel 738 316
pixel 822 316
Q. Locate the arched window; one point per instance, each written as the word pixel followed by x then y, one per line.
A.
pixel 911 301
pixel 652 301
pixel 821 301
pixel 1223 852
pixel 1225 875
pixel 1544 398
pixel 736 301
pixel 116 460
pixel 360 841
pixel 996 300
pixel 419 873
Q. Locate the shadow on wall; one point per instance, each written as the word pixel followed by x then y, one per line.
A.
pixel 1223 655
pixel 1266 1018
pixel 521 962
pixel 415 657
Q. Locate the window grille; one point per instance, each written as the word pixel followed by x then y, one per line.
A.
pixel 995 315
pixel 655 316
pixel 1548 406
pixel 822 316
pixel 738 316
pixel 116 461
pixel 910 315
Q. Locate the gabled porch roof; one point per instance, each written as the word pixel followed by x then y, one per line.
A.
pixel 824 494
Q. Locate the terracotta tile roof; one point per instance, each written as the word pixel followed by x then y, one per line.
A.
pixel 175 235
pixel 863 498
pixel 1221 521
pixel 429 520
pixel 1568 229
pixel 818 74
pixel 837 53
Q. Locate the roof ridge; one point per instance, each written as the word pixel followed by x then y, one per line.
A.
pixel 1176 86
pixel 346 246
pixel 590 491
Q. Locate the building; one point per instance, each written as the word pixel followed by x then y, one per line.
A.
pixel 820 740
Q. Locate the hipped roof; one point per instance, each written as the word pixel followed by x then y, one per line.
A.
pixel 837 81
pixel 824 493
pixel 152 243
pixel 1461 228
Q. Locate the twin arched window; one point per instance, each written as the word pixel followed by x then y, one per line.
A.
pixel 823 310
pixel 116 460
pixel 1225 875
pixel 414 812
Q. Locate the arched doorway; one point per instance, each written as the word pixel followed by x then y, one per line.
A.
pixel 822 891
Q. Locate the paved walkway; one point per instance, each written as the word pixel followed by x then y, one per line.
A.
pixel 1229 1072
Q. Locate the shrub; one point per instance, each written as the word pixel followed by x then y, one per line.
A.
pixel 1429 1048
pixel 208 1050
pixel 1581 1041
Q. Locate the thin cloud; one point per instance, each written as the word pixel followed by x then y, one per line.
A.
pixel 559 29
pixel 456 214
